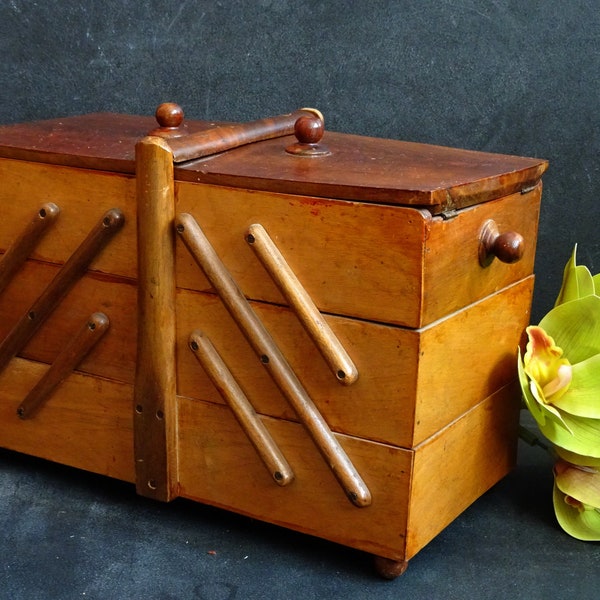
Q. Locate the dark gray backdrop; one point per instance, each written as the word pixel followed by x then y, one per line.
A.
pixel 508 76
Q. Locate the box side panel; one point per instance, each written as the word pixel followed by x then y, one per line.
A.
pixel 457 465
pixel 453 275
pixel 469 356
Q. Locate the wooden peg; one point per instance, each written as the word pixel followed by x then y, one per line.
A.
pixel 20 249
pixel 244 412
pixel 69 274
pixel 66 362
pixel 272 358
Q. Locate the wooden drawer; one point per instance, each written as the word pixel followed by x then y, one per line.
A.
pixel 114 356
pixel 408 387
pixel 417 492
pixel 82 196
pixel 398 265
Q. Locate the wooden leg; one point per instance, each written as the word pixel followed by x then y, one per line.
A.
pixel 389 568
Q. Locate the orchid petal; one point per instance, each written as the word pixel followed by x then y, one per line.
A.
pixel 575 328
pixel 596 280
pixel 580 523
pixel 581 483
pixel 581 436
pixel 577 459
pixel 539 409
pixel 583 396
pixel 577 281
pixel 545 365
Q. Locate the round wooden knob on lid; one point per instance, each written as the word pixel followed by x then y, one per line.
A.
pixel 169 117
pixel 508 247
pixel 309 130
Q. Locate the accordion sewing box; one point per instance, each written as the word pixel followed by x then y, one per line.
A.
pixel 311 328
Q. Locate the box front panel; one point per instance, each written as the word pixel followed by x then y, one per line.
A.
pixel 83 197
pixel 353 259
pixel 86 423
pixel 68 317
pixel 410 384
pixel 218 466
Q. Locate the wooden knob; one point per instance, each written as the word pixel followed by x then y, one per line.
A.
pixel 169 114
pixel 507 247
pixel 169 117
pixel 309 130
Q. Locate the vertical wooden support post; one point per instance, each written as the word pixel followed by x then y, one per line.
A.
pixel 155 407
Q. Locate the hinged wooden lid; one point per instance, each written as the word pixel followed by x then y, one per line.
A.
pixel 352 167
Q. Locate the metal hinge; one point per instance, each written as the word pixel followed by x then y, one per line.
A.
pixel 528 189
pixel 449 214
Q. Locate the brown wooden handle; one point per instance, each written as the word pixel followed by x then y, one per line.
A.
pixel 66 362
pixel 223 137
pixel 508 247
pixel 57 289
pixel 17 253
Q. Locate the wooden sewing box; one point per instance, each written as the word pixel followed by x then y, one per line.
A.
pixel 314 329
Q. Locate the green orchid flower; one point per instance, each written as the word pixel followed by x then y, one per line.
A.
pixel 578 282
pixel 559 374
pixel 577 500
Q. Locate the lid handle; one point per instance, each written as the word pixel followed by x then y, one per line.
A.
pixel 223 137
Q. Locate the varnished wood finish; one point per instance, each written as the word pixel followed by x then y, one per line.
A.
pixel 271 357
pixel 507 246
pixel 451 470
pixel 66 362
pixel 316 326
pixel 155 411
pixel 115 357
pixel 78 263
pixel 234 478
pixel 381 263
pixel 87 424
pixel 390 241
pixel 359 168
pixel 19 250
pixel 83 196
pixel 243 411
pixel 408 389
pixel 373 170
pixel 388 568
pixel 226 137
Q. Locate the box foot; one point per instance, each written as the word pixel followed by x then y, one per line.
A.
pixel 389 568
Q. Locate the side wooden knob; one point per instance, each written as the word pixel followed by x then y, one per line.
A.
pixel 507 247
